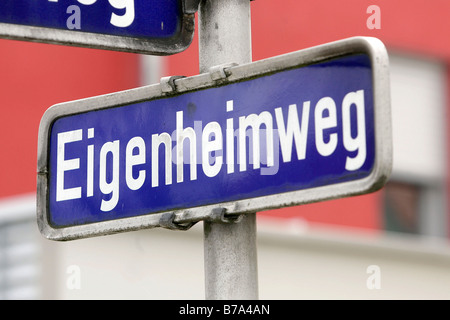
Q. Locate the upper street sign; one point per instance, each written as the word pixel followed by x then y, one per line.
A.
pixel 159 27
pixel 303 127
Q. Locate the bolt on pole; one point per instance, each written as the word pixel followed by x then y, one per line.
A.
pixel 230 249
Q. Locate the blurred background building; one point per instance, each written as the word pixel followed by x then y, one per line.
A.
pixel 390 244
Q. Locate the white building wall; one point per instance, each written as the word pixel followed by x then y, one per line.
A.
pixel 418 99
pixel 293 263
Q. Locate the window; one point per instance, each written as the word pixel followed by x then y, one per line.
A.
pixel 414 199
pixel 20 253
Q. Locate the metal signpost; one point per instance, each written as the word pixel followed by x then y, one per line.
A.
pixel 230 252
pixel 158 27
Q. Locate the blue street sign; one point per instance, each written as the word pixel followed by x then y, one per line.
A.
pixel 282 131
pixel 147 26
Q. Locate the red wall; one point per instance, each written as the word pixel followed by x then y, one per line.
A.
pixel 413 25
pixel 36 76
pixel 417 26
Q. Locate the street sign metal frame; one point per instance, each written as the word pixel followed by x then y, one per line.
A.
pixel 152 46
pixel 223 75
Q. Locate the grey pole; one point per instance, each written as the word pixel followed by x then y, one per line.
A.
pixel 230 249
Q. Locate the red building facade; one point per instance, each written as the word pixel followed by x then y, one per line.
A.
pixel 36 76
